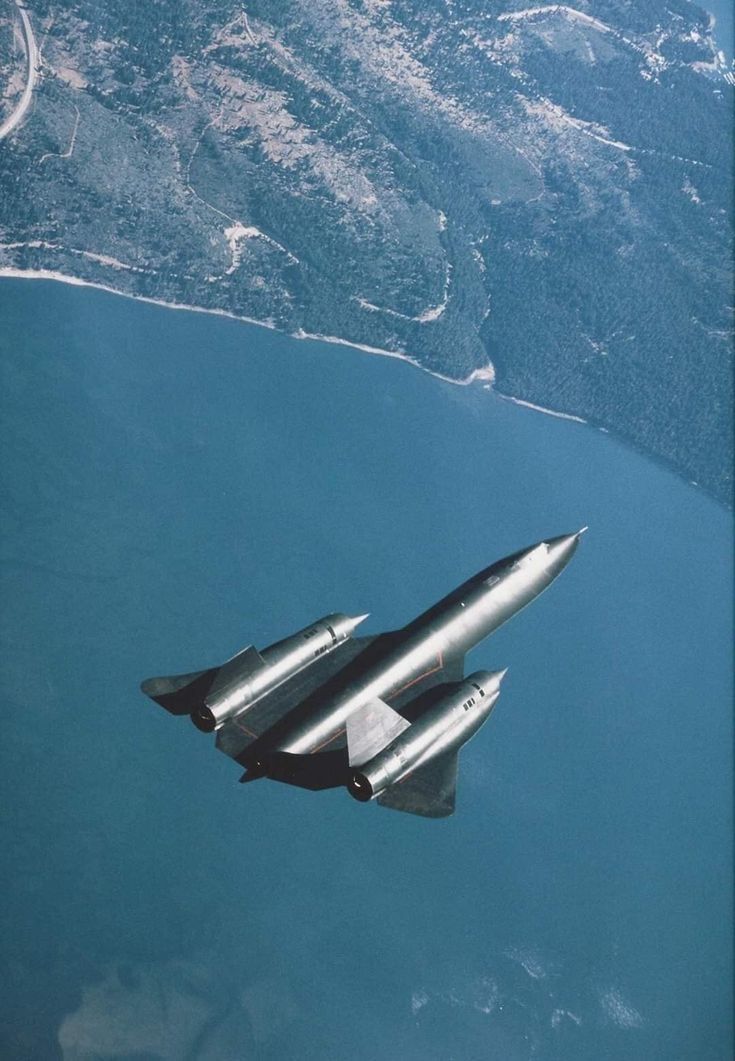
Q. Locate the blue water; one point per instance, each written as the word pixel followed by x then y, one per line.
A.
pixel 177 485
pixel 723 31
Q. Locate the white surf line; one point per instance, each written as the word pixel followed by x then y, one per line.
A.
pixel 19 113
pixel 335 339
pixel 540 408
pixel 10 272
pixel 485 374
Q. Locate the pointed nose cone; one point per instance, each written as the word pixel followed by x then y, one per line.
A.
pixel 496 677
pixel 489 680
pixel 561 550
pixel 345 625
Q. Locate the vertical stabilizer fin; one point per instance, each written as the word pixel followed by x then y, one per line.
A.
pixel 370 729
pixel 242 664
pixel 179 693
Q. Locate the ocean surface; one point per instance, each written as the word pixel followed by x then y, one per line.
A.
pixel 723 32
pixel 176 486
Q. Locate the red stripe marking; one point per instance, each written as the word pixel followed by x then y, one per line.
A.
pixel 440 664
pixel 328 741
pixel 421 677
pixel 397 692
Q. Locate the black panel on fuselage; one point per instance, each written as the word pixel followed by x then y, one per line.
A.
pixel 240 733
pixel 260 729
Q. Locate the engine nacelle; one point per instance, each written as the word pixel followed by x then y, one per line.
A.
pixel 448 724
pixel 250 675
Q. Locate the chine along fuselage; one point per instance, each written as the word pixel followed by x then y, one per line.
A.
pixel 384 715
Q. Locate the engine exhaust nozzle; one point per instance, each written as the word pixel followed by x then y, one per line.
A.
pixel 203 719
pixel 360 788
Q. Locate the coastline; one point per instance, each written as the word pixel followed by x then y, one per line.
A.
pixel 543 409
pixel 484 375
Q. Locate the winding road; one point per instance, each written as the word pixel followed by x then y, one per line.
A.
pixel 14 120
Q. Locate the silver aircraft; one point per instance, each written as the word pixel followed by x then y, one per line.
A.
pixel 384 715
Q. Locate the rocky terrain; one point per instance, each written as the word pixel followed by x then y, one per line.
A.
pixel 544 189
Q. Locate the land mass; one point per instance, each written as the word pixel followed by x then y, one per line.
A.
pixel 539 195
